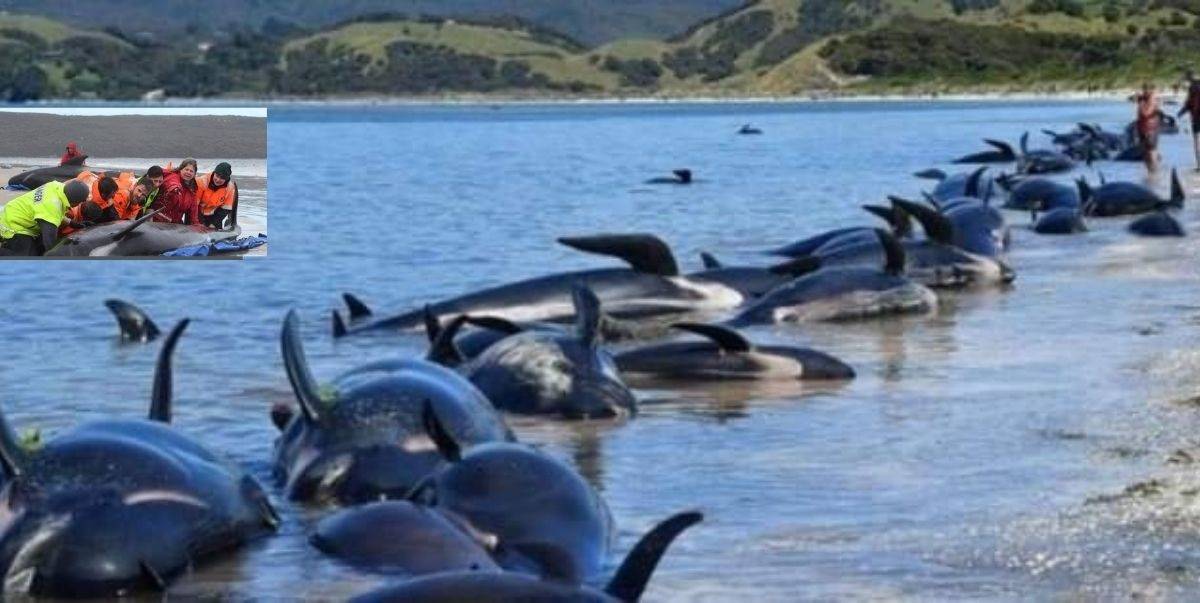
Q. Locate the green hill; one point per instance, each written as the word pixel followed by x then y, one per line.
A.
pixel 767 47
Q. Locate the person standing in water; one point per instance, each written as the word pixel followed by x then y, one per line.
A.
pixel 1191 106
pixel 1148 111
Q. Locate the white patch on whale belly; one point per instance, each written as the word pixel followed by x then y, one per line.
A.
pixel 779 367
pixel 154 496
pixel 911 298
pixel 714 296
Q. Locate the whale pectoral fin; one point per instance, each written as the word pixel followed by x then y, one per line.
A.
pixel 937 226
pixel 339 326
pixel 442 349
pixel 643 252
pixel 710 261
pixel 726 338
pixel 930 199
pixel 270 517
pixel 495 323
pixel 117 236
pixel 797 267
pixel 357 308
pixel 555 563
pixel 447 447
pixel 160 392
pixel 296 365
pixel 631 578
pixel 587 314
pixel 135 324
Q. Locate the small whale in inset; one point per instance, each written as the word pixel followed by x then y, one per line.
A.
pixel 749 129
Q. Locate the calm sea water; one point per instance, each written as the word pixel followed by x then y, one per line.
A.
pixel 984 452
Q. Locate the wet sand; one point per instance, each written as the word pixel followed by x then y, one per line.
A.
pixel 43 134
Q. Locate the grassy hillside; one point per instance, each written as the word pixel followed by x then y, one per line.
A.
pixel 590 21
pixel 766 47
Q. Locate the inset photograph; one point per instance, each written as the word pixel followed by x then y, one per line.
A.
pixel 133 182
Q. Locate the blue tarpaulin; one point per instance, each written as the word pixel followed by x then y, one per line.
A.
pixel 241 244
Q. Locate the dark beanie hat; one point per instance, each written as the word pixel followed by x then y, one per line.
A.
pixel 224 170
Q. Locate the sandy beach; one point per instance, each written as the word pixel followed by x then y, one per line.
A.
pixel 45 134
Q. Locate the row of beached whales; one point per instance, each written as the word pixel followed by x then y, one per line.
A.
pixel 434 488
pixel 1086 143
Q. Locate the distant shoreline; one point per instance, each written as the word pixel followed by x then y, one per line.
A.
pixel 666 99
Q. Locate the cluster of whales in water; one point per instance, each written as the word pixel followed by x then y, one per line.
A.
pixel 427 483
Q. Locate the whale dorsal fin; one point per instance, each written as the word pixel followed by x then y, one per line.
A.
pixel 726 338
pixel 1001 146
pixel 973 181
pixel 339 325
pixel 684 175
pixel 631 578
pixel 441 348
pixel 134 323
pixel 587 314
pixel 447 447
pixel 294 362
pixel 495 323
pixel 1177 194
pixel 1025 143
pixel 931 174
pixel 797 267
pixel 357 308
pixel 12 455
pixel 160 392
pixel 893 252
pixel 937 226
pixel 643 252
pixel 710 261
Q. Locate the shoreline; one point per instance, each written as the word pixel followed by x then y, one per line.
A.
pixel 816 96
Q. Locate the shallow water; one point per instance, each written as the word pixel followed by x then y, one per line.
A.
pixel 983 452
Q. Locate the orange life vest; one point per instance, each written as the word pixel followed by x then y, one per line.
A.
pixel 125 182
pixel 210 199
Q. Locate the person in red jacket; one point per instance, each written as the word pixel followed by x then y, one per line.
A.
pixel 72 152
pixel 177 196
pixel 1191 106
